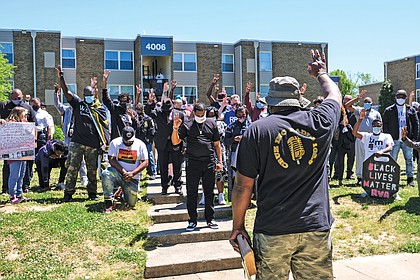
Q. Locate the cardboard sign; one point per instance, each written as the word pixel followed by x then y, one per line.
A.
pixel 381 176
pixel 17 141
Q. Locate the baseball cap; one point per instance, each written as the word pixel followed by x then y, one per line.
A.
pixel 401 92
pixel 285 92
pixel 87 91
pixel 128 133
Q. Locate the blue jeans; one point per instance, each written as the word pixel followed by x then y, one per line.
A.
pixel 111 177
pixel 17 172
pixel 151 169
pixel 408 156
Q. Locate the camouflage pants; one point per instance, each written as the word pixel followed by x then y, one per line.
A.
pixel 74 160
pixel 308 255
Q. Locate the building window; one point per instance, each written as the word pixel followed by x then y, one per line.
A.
pixel 229 90
pixel 417 70
pixel 68 58
pixel 227 63
pixel 189 92
pixel 418 95
pixel 118 60
pixel 115 90
pixel 185 62
pixel 7 49
pixel 264 90
pixel 265 61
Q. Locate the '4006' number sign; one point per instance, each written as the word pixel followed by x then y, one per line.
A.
pixel 154 46
pixel 381 176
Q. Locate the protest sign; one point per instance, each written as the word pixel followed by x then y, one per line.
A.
pixel 17 141
pixel 381 176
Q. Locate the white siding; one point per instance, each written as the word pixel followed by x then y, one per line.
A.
pixel 185 78
pixel 6 36
pixel 117 45
pixel 121 78
pixel 185 47
pixel 68 43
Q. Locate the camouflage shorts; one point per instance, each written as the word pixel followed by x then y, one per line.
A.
pixel 307 255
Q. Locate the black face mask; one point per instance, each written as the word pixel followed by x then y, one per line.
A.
pixel 35 107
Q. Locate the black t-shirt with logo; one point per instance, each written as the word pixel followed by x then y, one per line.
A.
pixel 200 138
pixel 289 153
pixel 84 130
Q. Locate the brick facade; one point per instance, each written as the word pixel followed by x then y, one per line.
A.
pixel 209 62
pixel 373 91
pixel 248 52
pixel 22 48
pixel 402 74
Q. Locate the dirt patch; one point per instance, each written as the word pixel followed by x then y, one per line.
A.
pixel 8 208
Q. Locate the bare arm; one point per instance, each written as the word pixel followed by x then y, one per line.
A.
pixel 175 135
pixel 210 90
pixel 63 84
pixel 241 197
pixel 247 100
pixel 218 149
pixel 138 94
pixel 349 104
pixel 173 86
pixel 356 132
pixel 318 69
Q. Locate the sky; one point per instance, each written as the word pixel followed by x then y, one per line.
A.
pixel 361 35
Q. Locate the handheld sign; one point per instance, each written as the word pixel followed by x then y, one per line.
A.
pixel 381 176
pixel 247 255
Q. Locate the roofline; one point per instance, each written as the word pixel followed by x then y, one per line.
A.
pixel 404 58
pixel 30 30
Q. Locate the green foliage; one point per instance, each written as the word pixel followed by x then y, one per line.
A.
pixel 386 97
pixel 6 73
pixel 364 79
pixel 58 133
pixel 411 247
pixel 345 214
pixel 347 86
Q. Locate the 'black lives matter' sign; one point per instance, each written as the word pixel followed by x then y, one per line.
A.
pixel 381 176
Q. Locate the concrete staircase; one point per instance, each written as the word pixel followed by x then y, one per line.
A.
pixel 201 254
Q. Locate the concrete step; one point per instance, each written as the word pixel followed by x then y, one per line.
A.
pixel 191 258
pixel 174 233
pixel 231 274
pixel 177 212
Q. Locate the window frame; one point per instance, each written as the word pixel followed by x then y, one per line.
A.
pixel 132 94
pixel 233 62
pixel 264 85
pixel 182 87
pixel 183 61
pixel 119 60
pixel 62 57
pixel 12 53
pixel 271 62
pixel 230 87
pixel 418 95
pixel 417 71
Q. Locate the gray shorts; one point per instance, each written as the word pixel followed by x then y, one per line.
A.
pixel 308 255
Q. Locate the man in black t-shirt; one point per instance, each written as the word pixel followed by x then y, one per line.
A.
pixel 90 135
pixel 288 152
pixel 203 139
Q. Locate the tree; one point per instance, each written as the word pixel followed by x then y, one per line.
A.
pixel 6 73
pixel 347 86
pixel 386 97
pixel 362 79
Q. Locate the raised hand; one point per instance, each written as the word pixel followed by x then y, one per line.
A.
pixel 248 87
pixel 303 89
pixel 362 114
pixel 318 65
pixel 106 75
pixel 59 71
pixel 57 89
pixel 173 84
pixel 93 81
pixel 216 88
pixel 138 89
pixel 215 78
pixel 165 87
pixel 177 121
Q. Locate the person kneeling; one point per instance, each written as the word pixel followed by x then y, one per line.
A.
pixel 128 157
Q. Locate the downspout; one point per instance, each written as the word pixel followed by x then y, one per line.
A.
pixel 33 35
pixel 257 87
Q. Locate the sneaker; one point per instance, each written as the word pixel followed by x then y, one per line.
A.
pixel 191 226
pixel 152 177
pixel 164 191
pixel 202 201
pixel 61 186
pixel 84 182
pixel 340 183
pixel 93 196
pixel 67 197
pixel 397 197
pixel 212 224
pixel 222 200
pixel 359 181
pixel 410 182
pixel 350 177
pixel 23 199
pixel 365 194
pixel 14 200
pixel 178 191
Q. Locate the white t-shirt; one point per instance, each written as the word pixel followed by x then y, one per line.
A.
pixel 128 157
pixel 402 117
pixel 375 143
pixel 44 119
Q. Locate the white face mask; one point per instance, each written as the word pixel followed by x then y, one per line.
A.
pixel 377 130
pixel 200 119
pixel 400 101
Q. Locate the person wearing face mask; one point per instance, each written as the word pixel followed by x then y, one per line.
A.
pixel 375 142
pixel 203 139
pixel 16 100
pixel 122 114
pixel 128 158
pixel 396 117
pixel 260 107
pixel 167 151
pixel 90 137
pixel 365 126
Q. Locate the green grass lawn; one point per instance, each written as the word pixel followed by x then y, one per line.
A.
pixel 44 239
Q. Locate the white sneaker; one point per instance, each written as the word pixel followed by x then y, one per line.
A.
pixel 202 201
pixel 397 197
pixel 222 200
pixel 365 194
pixel 61 186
